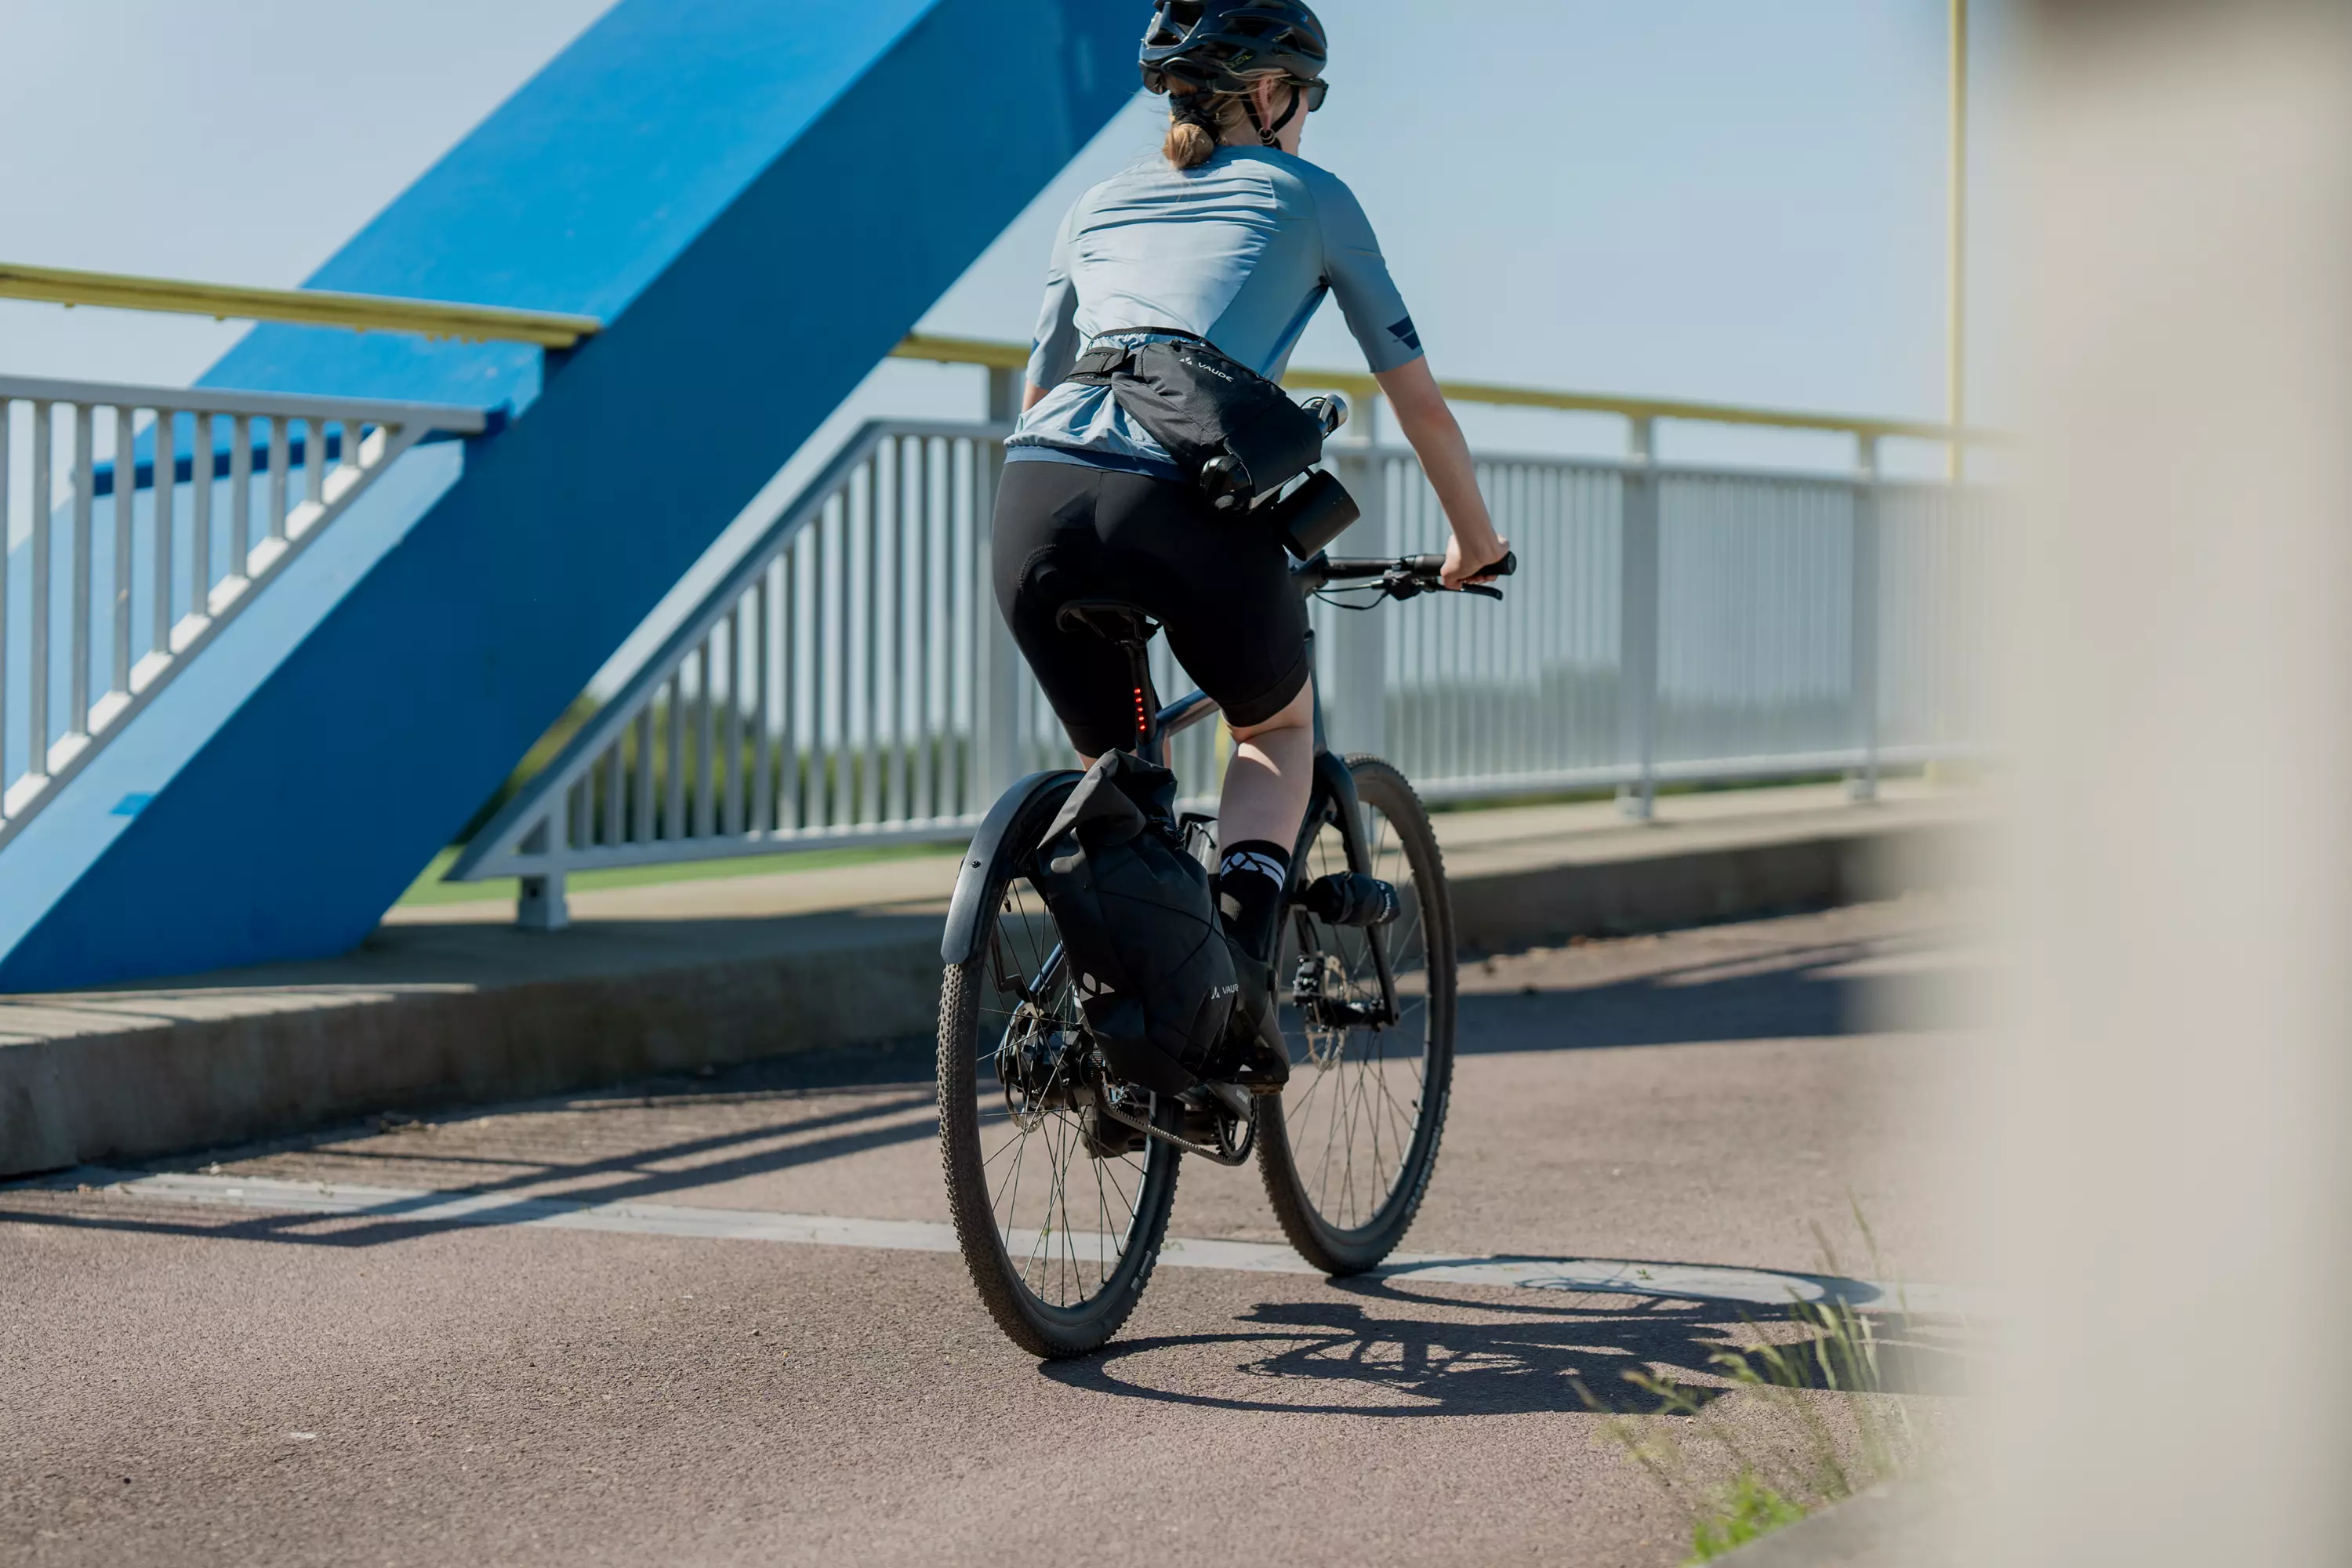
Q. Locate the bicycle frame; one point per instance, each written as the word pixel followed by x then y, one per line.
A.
pixel 1332 784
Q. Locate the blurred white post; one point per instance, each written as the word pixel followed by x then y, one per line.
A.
pixel 2174 1169
pixel 1638 591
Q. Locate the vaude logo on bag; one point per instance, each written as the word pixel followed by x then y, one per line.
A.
pixel 1132 911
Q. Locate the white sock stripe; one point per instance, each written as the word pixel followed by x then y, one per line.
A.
pixel 1254 860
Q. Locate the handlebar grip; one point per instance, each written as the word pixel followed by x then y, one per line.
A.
pixel 1435 565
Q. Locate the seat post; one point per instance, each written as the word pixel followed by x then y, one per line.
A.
pixel 1129 629
pixel 1139 680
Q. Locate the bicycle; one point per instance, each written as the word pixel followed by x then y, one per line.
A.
pixel 1346 1151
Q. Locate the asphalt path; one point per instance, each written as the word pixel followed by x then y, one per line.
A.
pixel 225 1380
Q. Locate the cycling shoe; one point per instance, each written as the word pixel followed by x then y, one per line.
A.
pixel 1249 1061
pixel 1351 899
pixel 1250 1053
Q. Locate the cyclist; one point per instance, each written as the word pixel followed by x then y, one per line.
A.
pixel 1230 237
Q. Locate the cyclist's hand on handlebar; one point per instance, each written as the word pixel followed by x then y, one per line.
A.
pixel 1470 564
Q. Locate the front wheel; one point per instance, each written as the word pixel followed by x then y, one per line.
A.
pixel 1059 1211
pixel 1348 1157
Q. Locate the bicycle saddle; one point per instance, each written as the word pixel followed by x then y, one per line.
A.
pixel 1113 620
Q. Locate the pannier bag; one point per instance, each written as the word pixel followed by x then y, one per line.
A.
pixel 1153 974
pixel 1231 430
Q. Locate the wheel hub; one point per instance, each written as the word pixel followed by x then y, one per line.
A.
pixel 1328 1004
pixel 1035 1064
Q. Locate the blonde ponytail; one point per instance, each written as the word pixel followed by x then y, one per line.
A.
pixel 1188 146
pixel 1196 126
pixel 1198 119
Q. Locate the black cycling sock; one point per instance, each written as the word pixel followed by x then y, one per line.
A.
pixel 1251 877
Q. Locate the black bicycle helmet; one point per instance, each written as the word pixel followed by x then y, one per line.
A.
pixel 1218 45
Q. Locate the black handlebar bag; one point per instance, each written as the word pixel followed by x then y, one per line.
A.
pixel 1153 974
pixel 1200 405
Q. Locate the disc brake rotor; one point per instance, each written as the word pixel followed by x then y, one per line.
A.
pixel 1326 995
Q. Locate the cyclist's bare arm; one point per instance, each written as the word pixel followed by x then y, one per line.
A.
pixel 1032 394
pixel 1428 424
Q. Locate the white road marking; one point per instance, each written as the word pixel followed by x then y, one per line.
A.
pixel 1672 1281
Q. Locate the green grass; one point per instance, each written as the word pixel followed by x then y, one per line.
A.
pixel 1820 1382
pixel 429 889
pixel 1746 1510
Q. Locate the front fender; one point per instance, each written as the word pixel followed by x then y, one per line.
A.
pixel 967 911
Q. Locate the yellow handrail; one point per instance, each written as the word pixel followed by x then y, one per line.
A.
pixel 548 328
pixel 1358 383
pixel 308 307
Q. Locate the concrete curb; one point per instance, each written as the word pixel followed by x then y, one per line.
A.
pixel 1910 1524
pixel 429 1016
pixel 1498 910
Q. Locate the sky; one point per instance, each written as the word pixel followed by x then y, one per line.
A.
pixel 1701 199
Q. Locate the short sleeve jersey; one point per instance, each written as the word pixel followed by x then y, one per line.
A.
pixel 1241 251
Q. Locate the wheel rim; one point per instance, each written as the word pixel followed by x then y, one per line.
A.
pixel 1352 1113
pixel 1064 1220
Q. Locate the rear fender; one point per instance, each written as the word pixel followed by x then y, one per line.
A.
pixel 967 911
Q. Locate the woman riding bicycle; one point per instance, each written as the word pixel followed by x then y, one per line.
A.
pixel 1231 237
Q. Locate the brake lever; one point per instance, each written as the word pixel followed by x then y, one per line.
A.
pixel 1481 589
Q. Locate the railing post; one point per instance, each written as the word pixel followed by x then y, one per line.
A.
pixel 541 904
pixel 1868 647
pixel 997 691
pixel 37 617
pixel 1356 705
pixel 1004 395
pixel 7 439
pixel 1639 589
pixel 78 613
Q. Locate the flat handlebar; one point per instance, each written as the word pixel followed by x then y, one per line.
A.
pixel 1401 577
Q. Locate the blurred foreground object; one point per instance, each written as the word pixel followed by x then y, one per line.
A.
pixel 2171 1173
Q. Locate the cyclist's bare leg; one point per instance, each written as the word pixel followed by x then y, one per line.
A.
pixel 1267 779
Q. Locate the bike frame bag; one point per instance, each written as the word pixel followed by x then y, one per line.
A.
pixel 1201 405
pixel 1152 971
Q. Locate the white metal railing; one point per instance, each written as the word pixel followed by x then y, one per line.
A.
pixel 848 680
pixel 1689 624
pixel 137 522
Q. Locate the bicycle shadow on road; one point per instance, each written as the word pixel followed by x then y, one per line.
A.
pixel 1375 1356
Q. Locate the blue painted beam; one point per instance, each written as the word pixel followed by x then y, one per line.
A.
pixel 759 199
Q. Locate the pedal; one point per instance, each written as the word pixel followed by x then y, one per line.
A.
pixel 1351 899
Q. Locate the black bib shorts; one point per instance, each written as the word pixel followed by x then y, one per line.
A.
pixel 1220 585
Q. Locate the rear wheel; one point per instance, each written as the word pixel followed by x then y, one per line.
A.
pixel 1348 1157
pixel 1059 1209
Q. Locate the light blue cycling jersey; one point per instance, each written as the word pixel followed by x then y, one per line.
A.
pixel 1240 251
